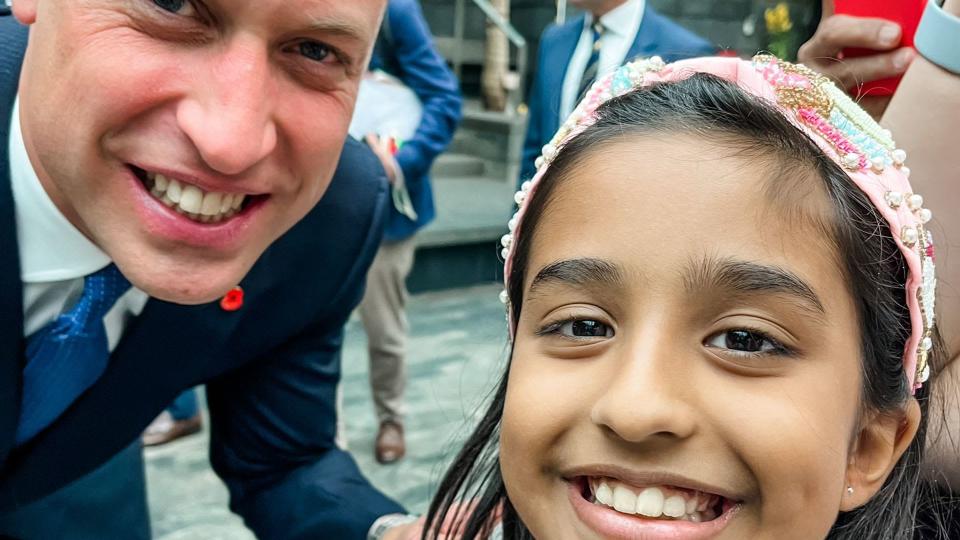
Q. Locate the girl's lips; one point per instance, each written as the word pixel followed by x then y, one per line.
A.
pixel 614 525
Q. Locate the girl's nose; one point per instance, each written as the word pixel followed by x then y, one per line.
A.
pixel 649 395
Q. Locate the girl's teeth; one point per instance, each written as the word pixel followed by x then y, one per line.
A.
pixel 654 502
pixel 624 500
pixel 650 502
pixel 193 202
pixel 604 494
pixel 674 506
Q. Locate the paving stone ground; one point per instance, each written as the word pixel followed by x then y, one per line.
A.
pixel 457 350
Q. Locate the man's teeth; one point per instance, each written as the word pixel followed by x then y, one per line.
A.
pixel 655 502
pixel 193 202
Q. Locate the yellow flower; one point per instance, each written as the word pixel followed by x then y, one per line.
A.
pixel 778 19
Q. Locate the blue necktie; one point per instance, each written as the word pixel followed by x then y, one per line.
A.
pixel 593 64
pixel 65 357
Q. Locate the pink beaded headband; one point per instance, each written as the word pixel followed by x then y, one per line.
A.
pixel 830 118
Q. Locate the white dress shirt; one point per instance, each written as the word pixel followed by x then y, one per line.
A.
pixel 54 255
pixel 621 25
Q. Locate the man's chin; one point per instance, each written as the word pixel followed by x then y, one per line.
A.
pixel 186 298
pixel 185 286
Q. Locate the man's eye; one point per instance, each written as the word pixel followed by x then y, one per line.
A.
pixel 180 7
pixel 317 52
pixel 745 341
pixel 584 328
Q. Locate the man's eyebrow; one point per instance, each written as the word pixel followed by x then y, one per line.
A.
pixel 749 278
pixel 578 272
pixel 340 27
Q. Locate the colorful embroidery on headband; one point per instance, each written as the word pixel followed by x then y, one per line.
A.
pixel 843 130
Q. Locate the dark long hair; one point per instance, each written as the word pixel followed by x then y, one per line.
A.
pixel 874 269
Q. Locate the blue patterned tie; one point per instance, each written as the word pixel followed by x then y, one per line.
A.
pixel 593 64
pixel 65 357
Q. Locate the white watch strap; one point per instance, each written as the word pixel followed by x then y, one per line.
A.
pixel 938 37
pixel 387 522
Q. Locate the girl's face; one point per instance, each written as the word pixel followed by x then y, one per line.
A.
pixel 687 352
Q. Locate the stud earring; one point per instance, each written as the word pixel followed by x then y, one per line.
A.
pixel 849 490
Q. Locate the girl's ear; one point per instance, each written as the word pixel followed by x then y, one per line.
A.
pixel 877 449
pixel 25 11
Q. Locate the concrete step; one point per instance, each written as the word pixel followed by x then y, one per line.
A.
pixel 469 210
pixel 453 165
pixel 471 53
pixel 494 137
pixel 461 246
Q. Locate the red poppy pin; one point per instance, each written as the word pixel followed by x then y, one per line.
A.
pixel 233 300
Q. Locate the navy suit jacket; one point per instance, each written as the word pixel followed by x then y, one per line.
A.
pixel 405 49
pixel 271 368
pixel 657 35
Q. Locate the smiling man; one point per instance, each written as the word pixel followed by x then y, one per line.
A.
pixel 161 163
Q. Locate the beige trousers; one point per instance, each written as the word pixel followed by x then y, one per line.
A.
pixel 383 312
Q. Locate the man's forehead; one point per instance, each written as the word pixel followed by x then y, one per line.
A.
pixel 359 19
pixel 352 17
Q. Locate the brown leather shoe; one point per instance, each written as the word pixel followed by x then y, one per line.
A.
pixel 165 429
pixel 390 445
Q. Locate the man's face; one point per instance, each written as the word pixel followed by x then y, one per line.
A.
pixel 185 136
pixel 597 6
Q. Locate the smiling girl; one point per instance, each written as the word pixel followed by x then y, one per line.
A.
pixel 720 294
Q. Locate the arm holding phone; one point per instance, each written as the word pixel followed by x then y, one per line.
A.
pixel 925 114
pixel 839 33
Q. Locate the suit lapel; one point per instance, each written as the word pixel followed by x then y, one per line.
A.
pixel 560 56
pixel 647 40
pixel 12 44
pixel 165 349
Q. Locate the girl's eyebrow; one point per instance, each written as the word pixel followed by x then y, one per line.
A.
pixel 579 272
pixel 749 278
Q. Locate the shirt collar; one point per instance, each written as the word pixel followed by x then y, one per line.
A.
pixel 620 19
pixel 51 248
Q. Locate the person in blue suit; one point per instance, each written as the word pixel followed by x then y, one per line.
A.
pixel 178 206
pixel 572 56
pixel 406 52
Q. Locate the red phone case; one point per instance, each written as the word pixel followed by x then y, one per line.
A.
pixel 906 13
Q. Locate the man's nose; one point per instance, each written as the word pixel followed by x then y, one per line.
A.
pixel 229 114
pixel 649 397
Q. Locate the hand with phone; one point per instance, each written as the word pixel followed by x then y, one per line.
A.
pixel 855 50
pixel 385 148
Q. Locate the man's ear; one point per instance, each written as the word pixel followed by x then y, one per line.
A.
pixel 877 449
pixel 25 11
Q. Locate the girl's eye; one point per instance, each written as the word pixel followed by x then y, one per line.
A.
pixel 584 328
pixel 179 7
pixel 318 52
pixel 745 341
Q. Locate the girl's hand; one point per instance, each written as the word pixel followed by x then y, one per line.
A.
pixel 414 531
pixel 838 32
pixel 410 531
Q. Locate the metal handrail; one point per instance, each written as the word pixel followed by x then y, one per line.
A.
pixel 561 12
pixel 494 16
pixel 504 25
